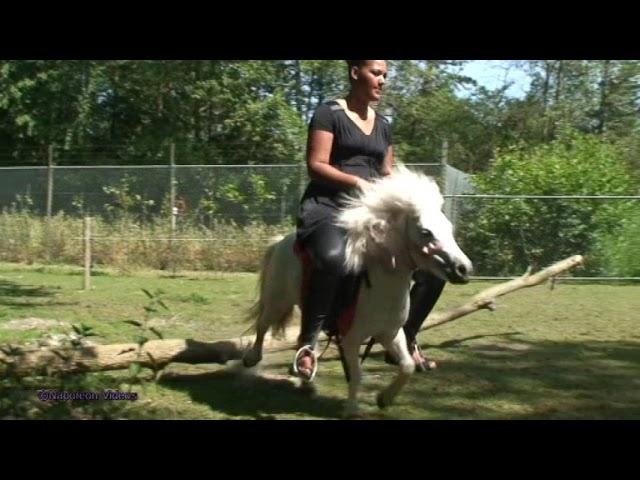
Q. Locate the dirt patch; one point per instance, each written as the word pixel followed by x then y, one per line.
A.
pixel 32 323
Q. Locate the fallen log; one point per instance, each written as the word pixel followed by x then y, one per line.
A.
pixel 156 354
pixel 486 298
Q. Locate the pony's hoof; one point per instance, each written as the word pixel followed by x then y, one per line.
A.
pixel 380 401
pixel 250 359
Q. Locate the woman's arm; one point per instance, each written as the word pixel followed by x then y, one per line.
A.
pixel 318 156
pixel 387 166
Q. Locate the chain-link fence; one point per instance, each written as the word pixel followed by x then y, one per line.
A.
pixel 221 216
pixel 234 193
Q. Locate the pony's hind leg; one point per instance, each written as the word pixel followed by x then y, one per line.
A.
pixel 277 298
pixel 274 316
pixel 253 355
pixel 398 348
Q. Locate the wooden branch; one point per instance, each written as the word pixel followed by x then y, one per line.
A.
pixel 21 361
pixel 486 298
pixel 155 354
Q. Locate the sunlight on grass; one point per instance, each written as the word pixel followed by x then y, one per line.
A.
pixel 570 353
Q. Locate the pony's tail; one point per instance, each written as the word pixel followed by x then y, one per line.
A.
pixel 255 312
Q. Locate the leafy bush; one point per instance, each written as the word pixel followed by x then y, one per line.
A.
pixel 506 236
pixel 618 251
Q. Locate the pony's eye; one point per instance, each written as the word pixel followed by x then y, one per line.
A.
pixel 426 233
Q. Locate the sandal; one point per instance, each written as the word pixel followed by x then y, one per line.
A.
pixel 423 364
pixel 306 373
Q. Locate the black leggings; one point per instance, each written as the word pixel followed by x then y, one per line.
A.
pixel 425 293
pixel 326 245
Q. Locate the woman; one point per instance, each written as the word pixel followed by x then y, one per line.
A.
pixel 348 145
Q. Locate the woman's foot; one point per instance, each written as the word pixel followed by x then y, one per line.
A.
pixel 305 363
pixel 423 364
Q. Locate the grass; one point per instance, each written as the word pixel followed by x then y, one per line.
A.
pixel 126 243
pixel 568 353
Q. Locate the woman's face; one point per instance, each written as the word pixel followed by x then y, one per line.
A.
pixel 369 79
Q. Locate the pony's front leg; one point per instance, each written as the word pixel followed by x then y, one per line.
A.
pixel 398 348
pixel 351 352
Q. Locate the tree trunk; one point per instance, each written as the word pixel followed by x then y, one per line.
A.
pixel 486 298
pixel 604 90
pixel 197 104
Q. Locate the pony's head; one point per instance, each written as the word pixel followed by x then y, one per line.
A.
pixel 400 216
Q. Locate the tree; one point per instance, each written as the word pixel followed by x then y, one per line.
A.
pixel 426 110
pixel 505 236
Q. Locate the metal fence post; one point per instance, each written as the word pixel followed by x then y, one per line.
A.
pixel 283 202
pixel 172 187
pixel 302 185
pixel 444 161
pixel 50 182
pixel 87 253
pixel 173 209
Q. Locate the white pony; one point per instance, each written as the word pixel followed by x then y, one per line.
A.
pixel 393 227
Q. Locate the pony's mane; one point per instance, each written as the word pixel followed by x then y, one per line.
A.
pixel 404 192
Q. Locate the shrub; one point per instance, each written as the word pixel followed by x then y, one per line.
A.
pixel 505 236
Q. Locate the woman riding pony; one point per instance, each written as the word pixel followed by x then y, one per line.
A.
pixel 348 145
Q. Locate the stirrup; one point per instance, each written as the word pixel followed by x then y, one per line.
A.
pixel 299 353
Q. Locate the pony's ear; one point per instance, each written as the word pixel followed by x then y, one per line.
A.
pixel 378 230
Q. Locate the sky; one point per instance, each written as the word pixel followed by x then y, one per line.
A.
pixel 493 74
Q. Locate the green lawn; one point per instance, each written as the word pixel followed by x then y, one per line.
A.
pixel 568 353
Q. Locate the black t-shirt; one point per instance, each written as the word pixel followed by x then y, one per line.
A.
pixel 352 152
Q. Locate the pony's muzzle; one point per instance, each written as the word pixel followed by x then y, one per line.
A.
pixel 460 273
pixel 456 270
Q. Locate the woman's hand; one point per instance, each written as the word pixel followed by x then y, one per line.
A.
pixel 362 184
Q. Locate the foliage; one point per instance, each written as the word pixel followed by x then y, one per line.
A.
pixel 506 236
pixel 255 112
pixel 617 249
pixel 125 200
